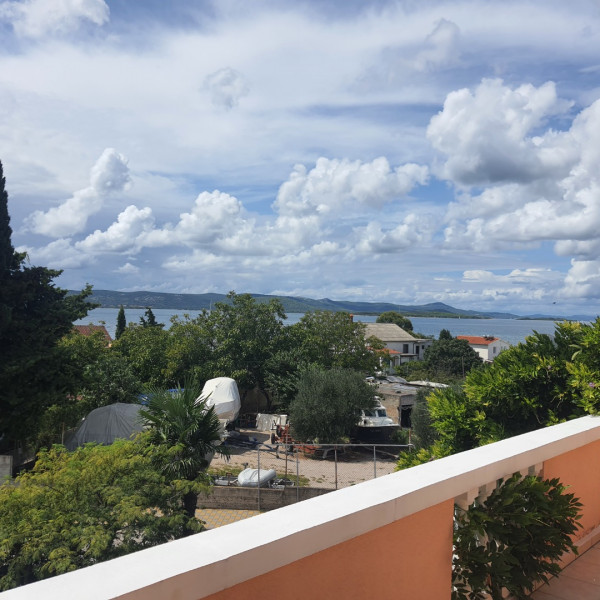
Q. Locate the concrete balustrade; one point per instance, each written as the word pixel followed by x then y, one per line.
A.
pixel 386 538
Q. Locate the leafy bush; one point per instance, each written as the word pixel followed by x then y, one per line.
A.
pixel 513 539
pixel 79 508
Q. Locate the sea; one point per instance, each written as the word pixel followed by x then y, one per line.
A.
pixel 512 331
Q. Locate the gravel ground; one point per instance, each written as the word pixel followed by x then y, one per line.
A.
pixel 353 466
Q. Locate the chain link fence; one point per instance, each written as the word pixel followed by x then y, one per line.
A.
pixel 299 471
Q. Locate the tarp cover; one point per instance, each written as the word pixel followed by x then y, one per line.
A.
pixel 104 425
pixel 266 422
pixel 223 394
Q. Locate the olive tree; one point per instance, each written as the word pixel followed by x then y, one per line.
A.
pixel 328 404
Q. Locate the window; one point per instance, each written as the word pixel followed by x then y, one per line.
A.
pixel 405 348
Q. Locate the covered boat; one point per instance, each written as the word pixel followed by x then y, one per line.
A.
pixel 223 394
pixel 256 477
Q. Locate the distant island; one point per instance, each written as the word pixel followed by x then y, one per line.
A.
pixel 295 304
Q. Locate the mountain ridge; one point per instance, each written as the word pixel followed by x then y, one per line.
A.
pixel 297 304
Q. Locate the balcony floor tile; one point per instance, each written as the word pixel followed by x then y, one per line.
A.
pixel 579 581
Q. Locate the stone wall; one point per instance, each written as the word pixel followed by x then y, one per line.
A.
pixel 240 498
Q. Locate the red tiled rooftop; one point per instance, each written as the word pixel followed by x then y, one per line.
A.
pixel 478 340
pixel 91 329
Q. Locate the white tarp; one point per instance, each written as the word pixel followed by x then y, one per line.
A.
pixel 223 394
pixel 256 477
pixel 266 422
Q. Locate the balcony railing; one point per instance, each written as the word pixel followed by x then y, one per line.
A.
pixel 386 538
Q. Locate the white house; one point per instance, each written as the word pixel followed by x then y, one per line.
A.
pixel 401 345
pixel 487 346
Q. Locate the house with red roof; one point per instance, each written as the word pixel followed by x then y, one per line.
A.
pixel 487 346
pixel 91 329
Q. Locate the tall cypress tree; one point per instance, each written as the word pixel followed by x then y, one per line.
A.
pixel 34 315
pixel 121 323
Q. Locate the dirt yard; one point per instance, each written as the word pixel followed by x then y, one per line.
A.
pixel 353 465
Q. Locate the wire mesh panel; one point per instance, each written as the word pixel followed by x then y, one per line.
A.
pixel 307 468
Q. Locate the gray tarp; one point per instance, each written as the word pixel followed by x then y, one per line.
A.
pixel 104 425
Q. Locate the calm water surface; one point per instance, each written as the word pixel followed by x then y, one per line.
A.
pixel 512 331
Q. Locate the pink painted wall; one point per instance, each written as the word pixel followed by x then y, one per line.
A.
pixel 580 469
pixel 411 558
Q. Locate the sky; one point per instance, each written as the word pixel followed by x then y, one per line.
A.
pixel 370 150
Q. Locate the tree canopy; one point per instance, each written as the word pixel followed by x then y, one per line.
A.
pixel 449 356
pixel 392 316
pixel 144 348
pixel 149 320
pixel 79 508
pixel 333 339
pixel 34 316
pixel 328 404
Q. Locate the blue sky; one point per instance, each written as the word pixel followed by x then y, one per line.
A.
pixel 409 152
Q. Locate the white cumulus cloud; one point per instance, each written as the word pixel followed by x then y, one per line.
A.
pixel 122 235
pixel 413 230
pixel 489 135
pixel 214 215
pixel 110 174
pixel 335 185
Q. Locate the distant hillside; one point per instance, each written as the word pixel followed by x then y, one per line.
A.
pixel 291 304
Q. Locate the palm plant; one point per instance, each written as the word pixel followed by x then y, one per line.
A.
pixel 181 422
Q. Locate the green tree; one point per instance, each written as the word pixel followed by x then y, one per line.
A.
pixel 149 320
pixel 145 348
pixel 392 316
pixel 460 422
pixel 79 508
pixel 245 334
pixel 77 353
pixel 189 350
pixel 445 335
pixel 328 404
pixel 332 339
pixel 423 433
pixel 450 358
pixel 98 374
pixel 34 316
pixel 190 434
pixel 121 323
pixel 527 386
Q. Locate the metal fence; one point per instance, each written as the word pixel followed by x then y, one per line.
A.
pixel 306 470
